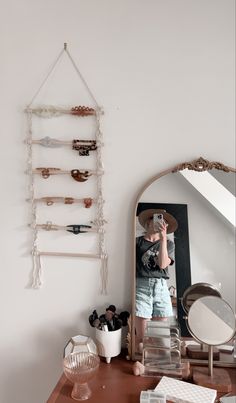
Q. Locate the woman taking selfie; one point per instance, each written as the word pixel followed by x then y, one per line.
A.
pixel 154 253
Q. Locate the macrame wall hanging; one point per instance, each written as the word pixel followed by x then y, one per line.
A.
pixel 84 148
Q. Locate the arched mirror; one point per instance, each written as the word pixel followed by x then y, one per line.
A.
pixel 199 196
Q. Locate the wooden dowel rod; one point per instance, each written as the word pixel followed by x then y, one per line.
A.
pixel 55 199
pixel 60 171
pixel 54 143
pixel 54 227
pixel 92 111
pixel 62 142
pixel 67 254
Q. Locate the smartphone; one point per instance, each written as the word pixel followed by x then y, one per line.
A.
pixel 157 220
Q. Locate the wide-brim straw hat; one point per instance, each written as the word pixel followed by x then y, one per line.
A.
pixel 148 214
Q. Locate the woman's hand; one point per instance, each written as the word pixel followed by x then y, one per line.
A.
pixel 163 230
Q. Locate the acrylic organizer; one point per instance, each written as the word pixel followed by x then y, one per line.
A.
pixel 162 350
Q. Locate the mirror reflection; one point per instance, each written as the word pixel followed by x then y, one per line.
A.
pixel 155 253
pixel 197 291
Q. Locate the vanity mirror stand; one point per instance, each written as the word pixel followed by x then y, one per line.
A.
pixel 211 321
pixel 193 293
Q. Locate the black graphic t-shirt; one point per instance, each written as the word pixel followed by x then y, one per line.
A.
pixel 146 254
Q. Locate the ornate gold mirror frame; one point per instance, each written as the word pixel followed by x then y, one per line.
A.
pixel 198 165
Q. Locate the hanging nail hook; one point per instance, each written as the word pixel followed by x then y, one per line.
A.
pixel 65 46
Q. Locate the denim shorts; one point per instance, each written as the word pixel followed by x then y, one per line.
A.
pixel 152 298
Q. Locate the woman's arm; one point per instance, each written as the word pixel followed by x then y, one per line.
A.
pixel 163 259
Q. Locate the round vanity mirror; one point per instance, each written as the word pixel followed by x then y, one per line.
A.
pixel 192 294
pixel 211 321
pixel 197 291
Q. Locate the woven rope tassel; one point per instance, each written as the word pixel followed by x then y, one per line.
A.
pixel 100 213
pixel 36 281
pixel 104 274
pixel 37 271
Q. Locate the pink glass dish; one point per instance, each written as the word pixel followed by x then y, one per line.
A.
pixel 80 368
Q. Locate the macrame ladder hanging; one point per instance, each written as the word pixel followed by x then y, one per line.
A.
pixel 99 221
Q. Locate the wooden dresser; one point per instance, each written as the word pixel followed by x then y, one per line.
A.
pixel 114 383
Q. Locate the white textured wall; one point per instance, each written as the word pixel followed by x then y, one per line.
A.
pixel 163 71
